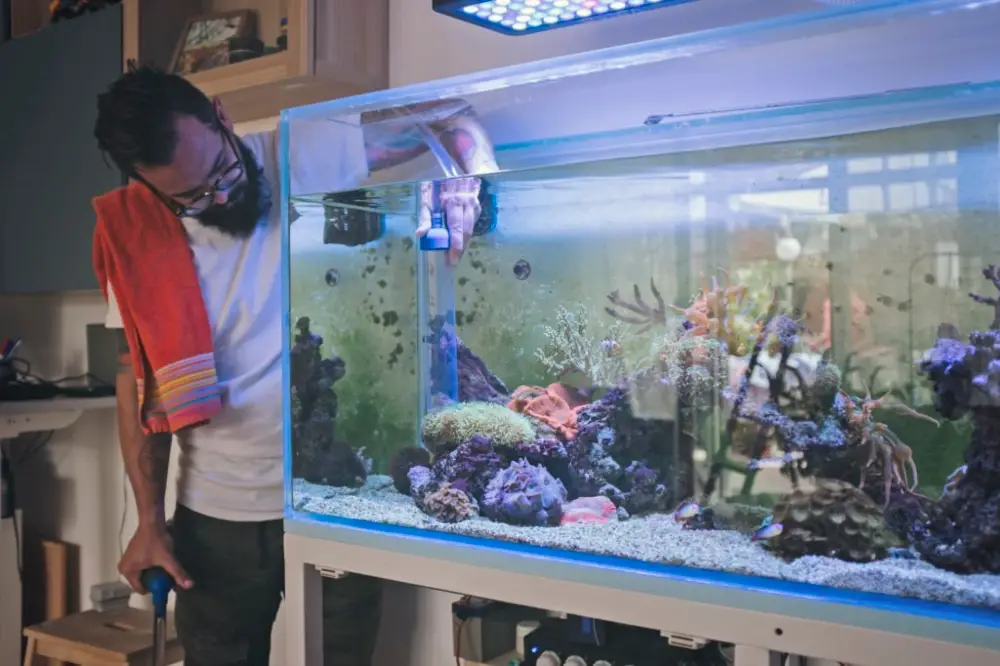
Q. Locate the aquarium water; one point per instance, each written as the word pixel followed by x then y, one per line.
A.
pixel 760 359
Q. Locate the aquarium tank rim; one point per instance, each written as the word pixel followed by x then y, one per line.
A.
pixel 682 133
pixel 938 620
pixel 830 20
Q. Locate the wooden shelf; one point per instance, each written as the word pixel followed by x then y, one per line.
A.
pixel 335 48
pixel 23 416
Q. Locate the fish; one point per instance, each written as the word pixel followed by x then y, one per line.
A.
pixel 611 347
pixel 686 511
pixel 768 531
pixel 775 463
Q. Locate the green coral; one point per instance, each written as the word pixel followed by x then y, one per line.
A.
pixel 449 427
pixel 576 344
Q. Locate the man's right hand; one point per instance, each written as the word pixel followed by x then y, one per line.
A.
pixel 151 546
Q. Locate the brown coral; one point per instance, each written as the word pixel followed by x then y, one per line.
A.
pixel 449 504
pixel 835 519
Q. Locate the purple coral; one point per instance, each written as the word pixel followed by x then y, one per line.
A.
pixel 645 492
pixel 421 481
pixel 524 494
pixel 470 466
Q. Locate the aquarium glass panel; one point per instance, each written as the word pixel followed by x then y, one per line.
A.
pixel 758 340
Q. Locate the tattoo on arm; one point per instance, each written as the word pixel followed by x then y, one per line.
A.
pixel 124 359
pixel 154 461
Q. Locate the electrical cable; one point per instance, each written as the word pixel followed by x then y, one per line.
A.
pixel 23 375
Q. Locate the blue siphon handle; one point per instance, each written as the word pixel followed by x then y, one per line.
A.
pixel 159 583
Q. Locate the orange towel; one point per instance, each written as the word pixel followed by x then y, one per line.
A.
pixel 141 250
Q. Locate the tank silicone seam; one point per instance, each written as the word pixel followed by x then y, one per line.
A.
pixel 912 617
pixel 284 140
pixel 783 28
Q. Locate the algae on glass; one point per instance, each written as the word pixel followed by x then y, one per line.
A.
pixel 693 358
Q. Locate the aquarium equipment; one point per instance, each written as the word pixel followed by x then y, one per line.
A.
pixel 521 17
pixel 711 367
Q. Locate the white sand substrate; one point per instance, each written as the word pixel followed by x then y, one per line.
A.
pixel 658 538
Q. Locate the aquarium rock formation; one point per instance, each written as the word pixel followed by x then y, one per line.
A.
pixel 476 383
pixel 963 533
pixel 402 462
pixel 621 457
pixel 318 457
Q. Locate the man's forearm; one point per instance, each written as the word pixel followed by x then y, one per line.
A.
pixel 393 136
pixel 146 457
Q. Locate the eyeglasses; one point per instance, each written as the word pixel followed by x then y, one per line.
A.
pixel 201 201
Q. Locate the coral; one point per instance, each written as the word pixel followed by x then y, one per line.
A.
pixel 470 466
pixel 421 482
pixel 542 450
pixel 963 532
pixel 573 346
pixel 524 494
pixel 643 315
pixel 476 383
pixel 448 504
pixel 725 314
pixel 446 428
pixel 401 464
pixel 589 510
pixel 317 456
pixel 697 367
pixel 547 407
pixel 834 520
pixel 643 490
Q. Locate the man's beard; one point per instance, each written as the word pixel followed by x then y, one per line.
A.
pixel 248 202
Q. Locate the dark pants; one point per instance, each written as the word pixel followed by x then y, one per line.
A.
pixel 239 579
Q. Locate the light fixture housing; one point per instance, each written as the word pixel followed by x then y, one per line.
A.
pixel 523 17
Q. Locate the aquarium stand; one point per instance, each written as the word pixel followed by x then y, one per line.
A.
pixel 761 623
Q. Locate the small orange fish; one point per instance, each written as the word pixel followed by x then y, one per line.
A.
pixel 686 511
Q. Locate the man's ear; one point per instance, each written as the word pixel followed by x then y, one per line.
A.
pixel 220 111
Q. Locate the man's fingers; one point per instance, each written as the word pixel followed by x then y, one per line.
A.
pixel 176 571
pixel 134 582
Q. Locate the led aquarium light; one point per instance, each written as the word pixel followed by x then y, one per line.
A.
pixel 519 17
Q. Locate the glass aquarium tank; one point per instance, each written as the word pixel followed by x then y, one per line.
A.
pixel 762 339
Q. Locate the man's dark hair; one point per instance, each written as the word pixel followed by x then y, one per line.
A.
pixel 135 117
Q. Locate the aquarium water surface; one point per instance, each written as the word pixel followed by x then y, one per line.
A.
pixel 779 360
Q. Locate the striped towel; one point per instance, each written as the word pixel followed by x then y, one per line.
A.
pixel 140 250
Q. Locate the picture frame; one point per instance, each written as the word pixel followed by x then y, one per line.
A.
pixel 205 41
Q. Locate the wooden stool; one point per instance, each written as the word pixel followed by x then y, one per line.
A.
pixel 122 637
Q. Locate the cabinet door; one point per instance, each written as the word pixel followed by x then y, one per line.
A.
pixel 50 167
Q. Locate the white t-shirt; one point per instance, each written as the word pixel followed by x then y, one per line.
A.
pixel 231 468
